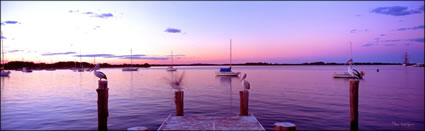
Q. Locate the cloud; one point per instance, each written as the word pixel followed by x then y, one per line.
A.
pixel 382 35
pixel 370 44
pixel 172 30
pixel 72 11
pixel 13 51
pixel 96 55
pixel 417 40
pixel 175 55
pixel 407 44
pixel 2 37
pixel 11 22
pixel 356 30
pixel 94 14
pixel 57 53
pixel 389 40
pixel 137 55
pixel 390 44
pixel 145 58
pixel 420 40
pixel 419 27
pixel 395 11
pixel 421 8
pixel 104 15
pixel 88 12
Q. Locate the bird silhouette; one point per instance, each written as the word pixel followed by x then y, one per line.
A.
pixel 244 82
pixel 176 83
pixel 99 74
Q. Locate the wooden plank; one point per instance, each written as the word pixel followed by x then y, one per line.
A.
pixel 211 123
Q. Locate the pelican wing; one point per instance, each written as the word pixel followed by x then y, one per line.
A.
pixel 357 74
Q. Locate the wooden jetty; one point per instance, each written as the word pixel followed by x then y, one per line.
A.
pixel 211 123
pixel 243 121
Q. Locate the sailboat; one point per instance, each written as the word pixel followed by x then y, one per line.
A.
pixel 171 68
pixel 406 62
pixel 131 68
pixel 3 72
pixel 81 69
pixel 25 69
pixel 228 71
pixel 351 73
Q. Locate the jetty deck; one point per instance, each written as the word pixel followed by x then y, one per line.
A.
pixel 211 123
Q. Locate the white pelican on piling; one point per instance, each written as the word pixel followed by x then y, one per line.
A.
pixel 244 82
pixel 99 74
pixel 355 73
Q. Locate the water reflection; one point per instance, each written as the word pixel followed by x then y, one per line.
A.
pixel 3 81
pixel 306 95
pixel 226 81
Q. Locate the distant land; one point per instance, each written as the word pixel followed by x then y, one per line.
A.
pixel 17 65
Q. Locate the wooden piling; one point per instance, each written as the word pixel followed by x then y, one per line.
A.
pixel 354 100
pixel 178 98
pixel 284 126
pixel 244 95
pixel 102 105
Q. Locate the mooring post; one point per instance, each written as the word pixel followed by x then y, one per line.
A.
pixel 102 105
pixel 178 98
pixel 284 126
pixel 354 101
pixel 244 102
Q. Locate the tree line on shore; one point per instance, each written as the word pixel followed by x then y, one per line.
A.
pixel 14 65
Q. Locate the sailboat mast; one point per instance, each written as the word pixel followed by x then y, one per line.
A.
pixel 351 53
pixel 131 57
pixel 405 58
pixel 230 53
pixel 2 53
pixel 81 66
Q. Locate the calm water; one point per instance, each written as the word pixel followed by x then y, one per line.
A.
pixel 305 95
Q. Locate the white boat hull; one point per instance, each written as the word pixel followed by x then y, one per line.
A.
pixel 130 69
pixel 171 69
pixel 227 73
pixel 26 69
pixel 345 75
pixel 5 73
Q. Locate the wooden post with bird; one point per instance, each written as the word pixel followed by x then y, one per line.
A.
pixel 102 105
pixel 354 101
pixel 178 99
pixel 244 95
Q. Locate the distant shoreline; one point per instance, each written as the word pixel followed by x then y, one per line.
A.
pixel 16 65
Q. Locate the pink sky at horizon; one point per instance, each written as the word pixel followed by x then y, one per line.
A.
pixel 274 32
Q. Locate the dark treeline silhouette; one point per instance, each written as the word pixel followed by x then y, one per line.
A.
pixel 17 65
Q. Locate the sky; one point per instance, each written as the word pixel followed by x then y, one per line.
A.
pixel 200 31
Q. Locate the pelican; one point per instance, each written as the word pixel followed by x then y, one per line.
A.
pixel 244 82
pixel 176 84
pixel 99 74
pixel 355 73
